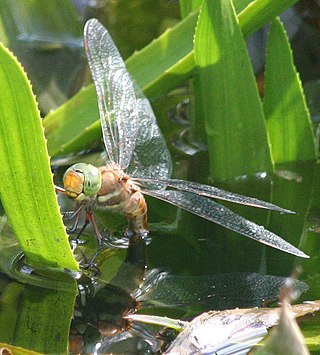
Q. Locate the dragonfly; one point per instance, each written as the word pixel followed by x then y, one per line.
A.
pixel 139 161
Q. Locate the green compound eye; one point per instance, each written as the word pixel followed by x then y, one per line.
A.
pixel 91 175
pixel 92 180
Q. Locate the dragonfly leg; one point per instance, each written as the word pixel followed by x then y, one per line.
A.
pixel 85 224
pixel 90 218
pixel 74 225
pixel 69 216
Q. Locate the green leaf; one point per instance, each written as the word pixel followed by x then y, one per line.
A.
pixel 187 6
pixel 158 68
pixel 259 12
pixel 288 119
pixel 234 121
pixel 26 186
pixel 240 5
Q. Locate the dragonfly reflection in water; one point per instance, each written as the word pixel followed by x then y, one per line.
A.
pixel 139 161
pixel 105 313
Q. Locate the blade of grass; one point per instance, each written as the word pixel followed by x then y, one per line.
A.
pixel 234 120
pixel 288 119
pixel 26 185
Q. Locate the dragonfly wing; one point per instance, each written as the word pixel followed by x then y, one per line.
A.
pixel 235 332
pixel 218 292
pixel 151 158
pixel 214 192
pixel 117 101
pixel 214 212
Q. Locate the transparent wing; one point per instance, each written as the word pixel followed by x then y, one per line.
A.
pixel 117 101
pixel 131 135
pixel 214 192
pixel 151 158
pixel 218 292
pixel 214 212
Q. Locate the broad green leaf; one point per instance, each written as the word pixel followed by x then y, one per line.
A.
pixel 187 6
pixel 259 12
pixel 292 187
pixel 166 61
pixel 240 5
pixel 63 128
pixel 158 68
pixel 234 121
pixel 197 114
pixel 288 119
pixel 26 185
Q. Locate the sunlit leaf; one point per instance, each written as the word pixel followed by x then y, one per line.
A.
pixel 26 185
pixel 259 12
pixel 288 118
pixel 230 100
pixel 158 68
pixel 187 6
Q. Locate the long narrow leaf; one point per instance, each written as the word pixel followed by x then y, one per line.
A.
pixel 288 118
pixel 26 185
pixel 157 69
pixel 234 120
pixel 259 12
pixel 187 6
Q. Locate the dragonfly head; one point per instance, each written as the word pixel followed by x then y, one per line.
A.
pixel 82 181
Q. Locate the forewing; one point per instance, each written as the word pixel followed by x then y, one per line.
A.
pixel 117 101
pixel 214 192
pixel 218 292
pixel 151 158
pixel 214 212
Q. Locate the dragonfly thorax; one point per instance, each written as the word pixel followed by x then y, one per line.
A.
pixel 115 185
pixel 82 181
